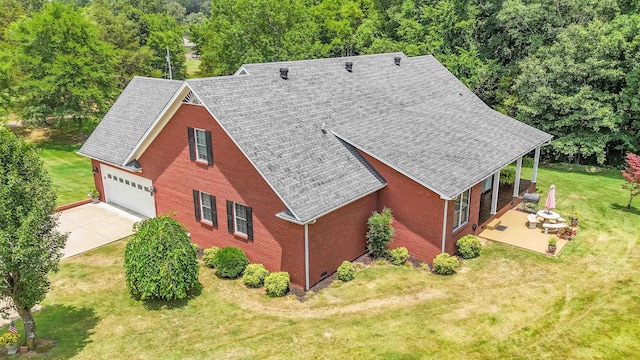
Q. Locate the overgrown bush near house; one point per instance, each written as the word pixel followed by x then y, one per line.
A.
pixel 346 271
pixel 399 256
pixel 254 275
pixel 507 176
pixel 380 232
pixel 469 246
pixel 445 264
pixel 527 162
pixel 160 261
pixel 208 255
pixel 277 284
pixel 230 262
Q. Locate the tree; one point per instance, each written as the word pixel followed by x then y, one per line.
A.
pixel 380 232
pixel 66 70
pixel 572 89
pixel 30 245
pixel 249 31
pixel 164 32
pixel 115 28
pixel 631 174
pixel 160 261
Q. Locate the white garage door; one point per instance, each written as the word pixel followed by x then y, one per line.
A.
pixel 129 191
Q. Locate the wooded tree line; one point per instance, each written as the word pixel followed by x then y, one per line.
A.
pixel 568 67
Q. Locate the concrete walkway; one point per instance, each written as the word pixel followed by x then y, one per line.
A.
pixel 90 226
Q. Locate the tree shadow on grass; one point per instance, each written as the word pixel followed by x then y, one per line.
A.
pixel 157 304
pixel 68 326
pixel 633 210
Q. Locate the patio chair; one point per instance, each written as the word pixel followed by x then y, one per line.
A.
pixel 532 221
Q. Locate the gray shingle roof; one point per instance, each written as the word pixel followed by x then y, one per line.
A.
pixel 129 118
pixel 416 117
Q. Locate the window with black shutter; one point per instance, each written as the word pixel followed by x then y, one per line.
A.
pixel 200 145
pixel 205 207
pixel 240 219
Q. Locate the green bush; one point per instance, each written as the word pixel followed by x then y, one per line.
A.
pixel 208 255
pixel 469 246
pixel 230 262
pixel 507 176
pixel 527 162
pixel 346 271
pixel 380 232
pixel 277 284
pixel 254 275
pixel 399 256
pixel 160 261
pixel 445 264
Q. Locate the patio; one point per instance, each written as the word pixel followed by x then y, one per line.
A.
pixel 518 234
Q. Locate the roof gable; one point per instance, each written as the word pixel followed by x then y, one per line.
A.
pixel 129 119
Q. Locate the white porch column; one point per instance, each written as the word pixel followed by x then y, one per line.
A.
pixel 516 185
pixel 444 224
pixel 536 160
pixel 494 193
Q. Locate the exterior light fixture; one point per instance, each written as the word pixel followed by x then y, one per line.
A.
pixel 95 170
pixel 152 191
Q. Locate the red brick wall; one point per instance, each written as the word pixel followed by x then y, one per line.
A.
pixel 339 236
pixel 417 212
pixel 277 244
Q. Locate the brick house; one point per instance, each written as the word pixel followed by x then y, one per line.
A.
pixel 288 160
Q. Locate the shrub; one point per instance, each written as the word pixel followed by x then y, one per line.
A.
pixel 507 176
pixel 9 338
pixel 160 261
pixel 380 232
pixel 445 264
pixel 254 275
pixel 346 271
pixel 399 256
pixel 208 256
pixel 277 284
pixel 527 162
pixel 469 246
pixel 230 262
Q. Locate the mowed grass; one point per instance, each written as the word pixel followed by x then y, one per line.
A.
pixel 192 67
pixel 506 304
pixel 70 173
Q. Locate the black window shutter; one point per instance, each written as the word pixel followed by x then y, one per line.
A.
pixel 230 217
pixel 209 148
pixel 196 204
pixel 214 212
pixel 192 143
pixel 249 223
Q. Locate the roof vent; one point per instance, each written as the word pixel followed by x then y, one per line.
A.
pixel 397 60
pixel 349 66
pixel 284 73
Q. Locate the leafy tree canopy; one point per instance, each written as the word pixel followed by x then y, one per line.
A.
pixel 30 245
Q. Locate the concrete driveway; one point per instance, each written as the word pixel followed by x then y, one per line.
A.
pixel 93 225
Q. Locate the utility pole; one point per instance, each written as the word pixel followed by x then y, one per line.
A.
pixel 169 64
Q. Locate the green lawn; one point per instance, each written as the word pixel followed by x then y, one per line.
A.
pixel 192 67
pixel 71 173
pixel 508 303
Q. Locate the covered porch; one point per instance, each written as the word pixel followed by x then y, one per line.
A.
pixel 515 232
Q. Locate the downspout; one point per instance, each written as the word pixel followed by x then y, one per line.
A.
pixel 306 257
pixel 444 224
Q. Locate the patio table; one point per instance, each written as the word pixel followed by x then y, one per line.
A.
pixel 547 215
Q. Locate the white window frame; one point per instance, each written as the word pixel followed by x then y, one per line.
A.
pixel 202 207
pixel 201 156
pixel 236 218
pixel 458 207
